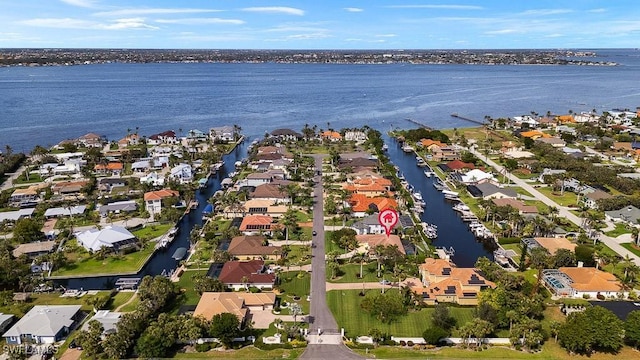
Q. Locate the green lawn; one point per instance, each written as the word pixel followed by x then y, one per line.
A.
pixel 152 231
pixel 295 283
pixel 248 352
pixel 566 199
pixel 350 271
pixel 345 306
pixel 112 264
pixel 54 298
pixel 330 246
pixel 631 247
pixel 185 284
pixel 120 298
pixel 619 230
pixel 299 255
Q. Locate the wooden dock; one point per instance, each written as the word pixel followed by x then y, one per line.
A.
pixel 458 116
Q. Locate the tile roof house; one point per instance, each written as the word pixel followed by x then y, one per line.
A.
pixel 153 199
pixel 370 187
pixel 271 192
pixel 581 282
pixel 257 207
pixel 238 303
pixel 112 237
pixel 443 282
pixel 459 165
pixel 34 249
pixel 361 204
pixel 431 144
pixel 241 274
pixel 370 241
pixel 516 204
pixel 90 140
pixel 222 133
pixel 68 187
pixel 551 244
pixel 252 247
pixel 445 153
pixel 331 135
pixel 553 141
pixel 44 324
pixel 358 164
pixel 112 168
pixel 258 224
pixel 165 137
pixel 286 134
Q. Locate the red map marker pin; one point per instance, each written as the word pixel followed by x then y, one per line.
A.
pixel 388 218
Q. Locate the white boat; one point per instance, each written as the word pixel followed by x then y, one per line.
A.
pixel 428 173
pixel 417 196
pixel 385 147
pixel 408 148
pixel 461 207
pixel 449 192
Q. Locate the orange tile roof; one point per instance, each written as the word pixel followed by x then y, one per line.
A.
pixel 566 118
pixel 554 244
pixel 532 133
pixel 160 194
pixel 374 240
pixel 212 304
pixel 429 142
pixel 264 221
pixel 109 166
pixel 331 134
pixel 591 279
pixel 360 202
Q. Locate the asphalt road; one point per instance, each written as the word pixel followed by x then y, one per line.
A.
pixel 563 211
pixel 321 317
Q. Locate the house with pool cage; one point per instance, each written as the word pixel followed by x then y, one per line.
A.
pixel 582 282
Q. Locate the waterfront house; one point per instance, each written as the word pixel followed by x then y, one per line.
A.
pixel 241 304
pixel 253 247
pixel 369 186
pixel 582 282
pixel 357 164
pixel 222 133
pixel 522 208
pixel 274 193
pixel 91 140
pixel 257 207
pixel 445 153
pixel 118 207
pixel 457 165
pixel 241 274
pixel 369 242
pixel 368 225
pixel 286 134
pixel 112 168
pixel 34 249
pixel 23 196
pixel 430 144
pixel 628 214
pixel 129 140
pixel 256 179
pixel 355 135
pixel 330 135
pixel 444 282
pixel 183 173
pixel 551 244
pixel 153 199
pixel 258 224
pixel 474 176
pixel 361 205
pixel 165 137
pixel 44 324
pixel 108 319
pixel 488 191
pixel 195 135
pixel 112 237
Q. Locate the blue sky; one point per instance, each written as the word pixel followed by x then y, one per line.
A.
pixel 320 24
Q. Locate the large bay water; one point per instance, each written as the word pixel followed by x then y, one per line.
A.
pixel 44 105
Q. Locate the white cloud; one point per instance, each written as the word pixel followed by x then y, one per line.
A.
pixel 503 32
pixel 152 11
pixel 353 9
pixel 70 23
pixel 200 21
pixel 81 3
pixel 386 35
pixel 444 7
pixel 543 12
pixel 554 35
pixel 310 36
pixel 600 10
pixel 276 10
pixel 295 28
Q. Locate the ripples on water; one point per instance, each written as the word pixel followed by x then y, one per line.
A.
pixel 44 105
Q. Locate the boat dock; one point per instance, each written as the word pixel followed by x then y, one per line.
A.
pixel 457 116
pixel 419 124
pixel 127 283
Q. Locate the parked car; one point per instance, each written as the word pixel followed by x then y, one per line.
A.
pixel 385 282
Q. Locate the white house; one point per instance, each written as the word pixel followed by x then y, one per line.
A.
pixel 44 324
pixel 368 225
pixel 182 173
pixel 582 282
pixel 112 237
pixel 153 199
pixel 222 133
pixel 476 175
pixel 152 179
pixel 357 136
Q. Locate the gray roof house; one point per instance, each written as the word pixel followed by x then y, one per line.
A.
pixel 107 319
pixel 117 207
pixel 64 211
pixel 490 191
pixel 5 321
pixel 368 225
pixel 629 214
pixel 114 237
pixel 44 324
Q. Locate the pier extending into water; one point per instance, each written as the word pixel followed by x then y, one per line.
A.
pixel 458 116
pixel 419 124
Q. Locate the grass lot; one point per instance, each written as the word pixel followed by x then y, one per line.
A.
pixel 295 283
pixel 619 230
pixel 83 263
pixel 249 352
pixel 132 306
pixel 350 271
pixel 566 199
pixel 330 246
pixel 299 255
pixel 632 247
pixel 345 306
pixel 515 247
pixel 120 298
pixel 19 309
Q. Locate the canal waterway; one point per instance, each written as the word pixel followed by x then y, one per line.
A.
pixel 452 231
pixel 162 261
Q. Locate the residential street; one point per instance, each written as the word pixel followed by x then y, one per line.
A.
pixel 325 341
pixel 563 211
